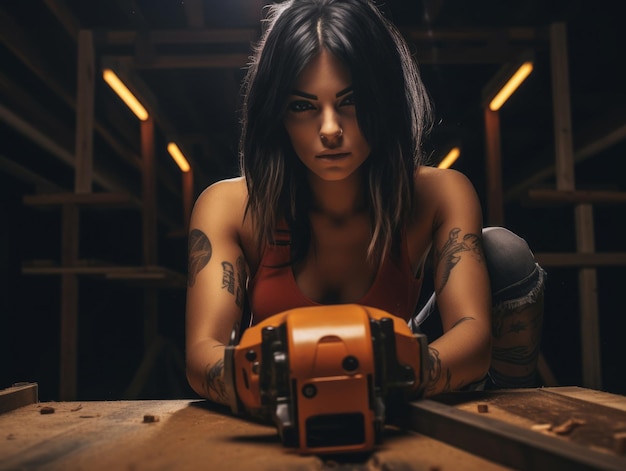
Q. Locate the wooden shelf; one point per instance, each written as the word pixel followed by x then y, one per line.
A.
pixel 101 200
pixel 144 275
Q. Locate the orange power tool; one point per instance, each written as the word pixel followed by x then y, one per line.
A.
pixel 326 374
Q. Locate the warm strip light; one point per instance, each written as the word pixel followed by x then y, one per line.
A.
pixel 178 156
pixel 449 159
pixel 125 94
pixel 515 81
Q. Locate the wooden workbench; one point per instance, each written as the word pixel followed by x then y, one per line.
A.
pixel 194 434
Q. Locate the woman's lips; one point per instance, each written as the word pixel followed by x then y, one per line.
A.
pixel 333 156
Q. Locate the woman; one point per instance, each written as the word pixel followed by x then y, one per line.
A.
pixel 334 206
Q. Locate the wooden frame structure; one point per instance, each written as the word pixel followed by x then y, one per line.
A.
pixel 585 258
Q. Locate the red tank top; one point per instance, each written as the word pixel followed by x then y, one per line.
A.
pixel 273 289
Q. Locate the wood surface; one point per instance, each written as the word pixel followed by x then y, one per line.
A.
pixel 189 435
pixel 195 434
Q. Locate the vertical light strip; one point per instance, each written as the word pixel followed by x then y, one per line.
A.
pixel 515 81
pixel 449 159
pixel 125 94
pixel 178 157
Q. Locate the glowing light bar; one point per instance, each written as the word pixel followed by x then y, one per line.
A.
pixel 449 159
pixel 125 94
pixel 515 81
pixel 178 156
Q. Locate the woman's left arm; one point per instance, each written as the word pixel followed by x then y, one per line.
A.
pixel 462 354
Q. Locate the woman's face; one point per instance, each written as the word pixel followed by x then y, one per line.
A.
pixel 321 120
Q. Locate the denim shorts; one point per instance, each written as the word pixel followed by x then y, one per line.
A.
pixel 516 278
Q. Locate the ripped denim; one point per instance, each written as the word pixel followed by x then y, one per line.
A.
pixel 516 278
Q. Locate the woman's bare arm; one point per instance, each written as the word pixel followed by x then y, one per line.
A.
pixel 462 354
pixel 216 285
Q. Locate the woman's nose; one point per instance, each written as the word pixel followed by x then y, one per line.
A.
pixel 330 130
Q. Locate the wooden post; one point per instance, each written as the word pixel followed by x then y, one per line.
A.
pixel 84 113
pixel 565 181
pixel 69 305
pixel 149 227
pixel 83 178
pixel 187 198
pixel 495 210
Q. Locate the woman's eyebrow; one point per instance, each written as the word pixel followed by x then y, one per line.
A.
pixel 314 97
pixel 344 91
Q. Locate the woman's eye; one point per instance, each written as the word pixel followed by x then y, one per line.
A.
pixel 348 101
pixel 299 106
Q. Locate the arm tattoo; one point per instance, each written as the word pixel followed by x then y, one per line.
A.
pixel 435 373
pixel 228 277
pixel 242 276
pixel 215 388
pixel 450 253
pixel 199 254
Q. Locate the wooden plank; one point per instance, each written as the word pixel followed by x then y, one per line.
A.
pixel 18 395
pixel 100 199
pixel 506 442
pixel 495 211
pixel 576 260
pixel 546 196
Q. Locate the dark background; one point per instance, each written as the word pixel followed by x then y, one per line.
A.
pixel 200 107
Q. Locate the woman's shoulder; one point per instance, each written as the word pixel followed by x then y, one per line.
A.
pixel 434 184
pixel 224 192
pixel 223 200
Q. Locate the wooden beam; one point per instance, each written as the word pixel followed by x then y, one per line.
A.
pixel 578 260
pixel 83 199
pixel 495 212
pixel 18 42
pixel 148 193
pixel 47 143
pixel 565 181
pixel 65 16
pixel 523 36
pixel 188 197
pixel 27 176
pixel 599 142
pixel 68 354
pixel 588 298
pixel 546 196
pixel 182 37
pixel 84 112
pixel 562 108
pixel 178 61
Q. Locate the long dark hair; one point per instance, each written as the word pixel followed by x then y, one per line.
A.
pixel 392 108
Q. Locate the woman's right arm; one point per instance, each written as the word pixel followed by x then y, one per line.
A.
pixel 216 285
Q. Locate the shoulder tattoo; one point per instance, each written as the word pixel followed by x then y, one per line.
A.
pixel 450 253
pixel 199 254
